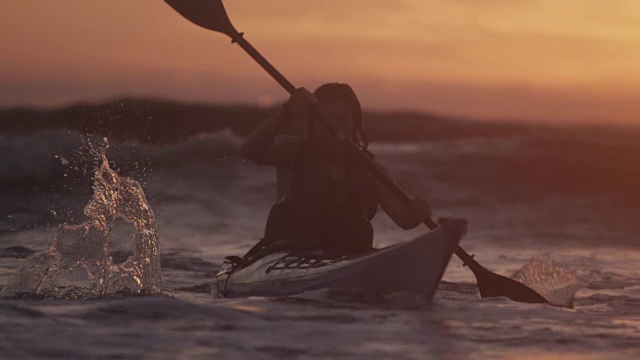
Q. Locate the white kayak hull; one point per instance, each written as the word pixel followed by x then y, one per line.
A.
pixel 415 266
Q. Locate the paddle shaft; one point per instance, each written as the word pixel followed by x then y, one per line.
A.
pixel 398 193
pixel 244 44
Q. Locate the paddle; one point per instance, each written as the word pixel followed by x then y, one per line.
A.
pixel 210 14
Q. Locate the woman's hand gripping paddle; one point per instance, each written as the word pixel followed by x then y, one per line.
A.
pixel 210 14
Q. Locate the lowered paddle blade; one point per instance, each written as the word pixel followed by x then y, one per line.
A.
pixel 492 285
pixel 210 14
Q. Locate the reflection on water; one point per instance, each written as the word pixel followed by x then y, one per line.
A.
pixel 78 263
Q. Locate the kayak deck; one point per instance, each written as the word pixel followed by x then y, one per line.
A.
pixel 415 266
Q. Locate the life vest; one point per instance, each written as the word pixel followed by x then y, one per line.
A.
pixel 322 211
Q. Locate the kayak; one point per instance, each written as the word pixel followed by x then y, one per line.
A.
pixel 415 266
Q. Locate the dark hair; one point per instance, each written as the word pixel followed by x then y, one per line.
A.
pixel 344 93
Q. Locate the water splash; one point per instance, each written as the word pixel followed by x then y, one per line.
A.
pixel 549 279
pixel 78 263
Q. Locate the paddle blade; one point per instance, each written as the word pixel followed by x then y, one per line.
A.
pixel 492 285
pixel 210 14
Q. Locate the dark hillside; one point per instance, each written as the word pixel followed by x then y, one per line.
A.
pixel 159 122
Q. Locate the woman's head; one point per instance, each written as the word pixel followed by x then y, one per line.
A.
pixel 339 103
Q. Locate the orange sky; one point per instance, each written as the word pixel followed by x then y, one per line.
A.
pixel 537 60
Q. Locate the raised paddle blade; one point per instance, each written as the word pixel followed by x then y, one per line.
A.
pixel 210 14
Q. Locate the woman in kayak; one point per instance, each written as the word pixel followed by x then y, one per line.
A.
pixel 326 199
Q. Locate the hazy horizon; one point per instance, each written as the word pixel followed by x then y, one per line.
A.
pixel 540 61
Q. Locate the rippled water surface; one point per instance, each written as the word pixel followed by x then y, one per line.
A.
pixel 209 204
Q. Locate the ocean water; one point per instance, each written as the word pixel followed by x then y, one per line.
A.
pixel 567 198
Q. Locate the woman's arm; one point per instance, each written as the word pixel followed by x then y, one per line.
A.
pixel 257 147
pixel 406 217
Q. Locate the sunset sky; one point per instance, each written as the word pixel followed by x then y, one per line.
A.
pixel 535 60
